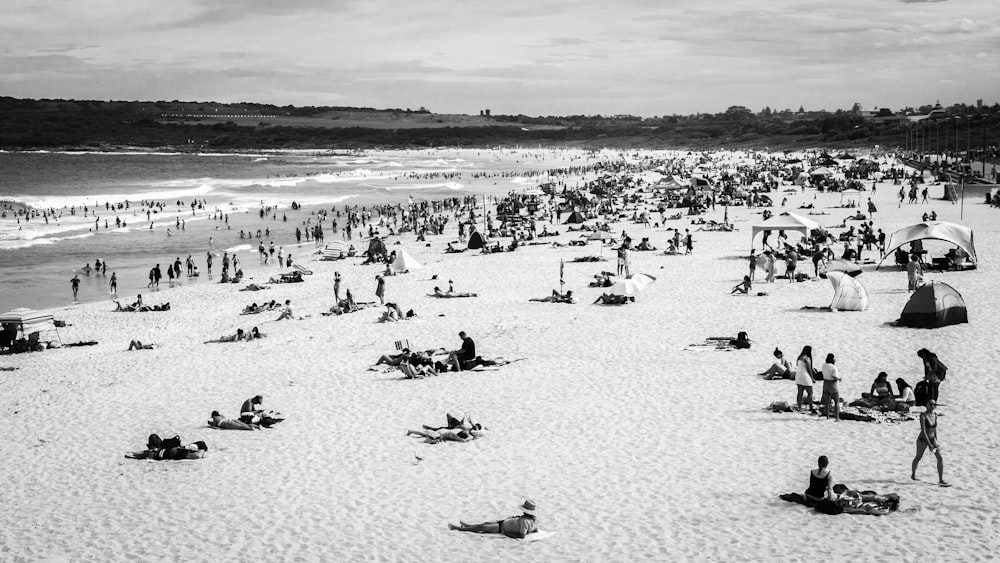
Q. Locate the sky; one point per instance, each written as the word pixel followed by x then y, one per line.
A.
pixel 533 57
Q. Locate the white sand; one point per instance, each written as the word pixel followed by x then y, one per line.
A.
pixel 633 448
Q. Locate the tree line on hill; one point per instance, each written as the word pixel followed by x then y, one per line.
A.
pixel 37 124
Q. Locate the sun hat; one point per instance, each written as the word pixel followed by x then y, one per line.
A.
pixel 528 506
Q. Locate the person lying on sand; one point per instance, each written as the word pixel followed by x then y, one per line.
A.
pixel 513 527
pixel 223 423
pixel 136 345
pixel 557 297
pixel 253 287
pixel 780 369
pixel 447 435
pixel 230 338
pixel 442 295
pixel 169 449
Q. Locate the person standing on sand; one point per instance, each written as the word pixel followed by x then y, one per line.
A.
pixel 75 282
pixel 281 257
pixel 336 286
pixel 114 284
pixel 753 264
pixel 804 378
pixel 831 377
pixel 380 289
pixel 928 439
pixel 208 260
pixel 157 275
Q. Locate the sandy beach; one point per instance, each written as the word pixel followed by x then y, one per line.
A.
pixel 634 448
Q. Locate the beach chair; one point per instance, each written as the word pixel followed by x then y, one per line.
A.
pixel 401 344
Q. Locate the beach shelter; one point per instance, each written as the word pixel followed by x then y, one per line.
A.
pixel 845 266
pixel 642 279
pixel 934 305
pixel 627 287
pixel 476 241
pixel 405 262
pixel 959 235
pixel 848 293
pixel 575 217
pixel 334 251
pixel 821 171
pixel 786 221
pixel 22 323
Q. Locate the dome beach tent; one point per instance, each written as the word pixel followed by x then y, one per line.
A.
pixel 575 217
pixel 959 235
pixel 934 305
pixel 476 241
pixel 848 293
pixel 405 262
pixel 786 221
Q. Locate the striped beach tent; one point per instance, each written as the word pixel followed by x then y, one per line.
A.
pixel 25 322
pixel 334 251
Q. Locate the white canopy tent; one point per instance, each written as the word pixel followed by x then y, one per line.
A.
pixel 959 235
pixel 786 221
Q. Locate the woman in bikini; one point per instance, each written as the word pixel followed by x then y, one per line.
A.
pixel 928 439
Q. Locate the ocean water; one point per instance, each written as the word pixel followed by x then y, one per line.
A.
pixel 83 189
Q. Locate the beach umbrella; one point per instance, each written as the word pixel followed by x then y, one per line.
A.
pixel 626 287
pixel 599 235
pixel 642 279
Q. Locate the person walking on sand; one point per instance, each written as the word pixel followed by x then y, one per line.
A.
pixel 75 283
pixel 114 284
pixel 514 527
pixel 380 289
pixel 928 439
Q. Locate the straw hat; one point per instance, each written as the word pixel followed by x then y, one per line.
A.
pixel 528 506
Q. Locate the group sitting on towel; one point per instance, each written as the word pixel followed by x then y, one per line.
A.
pixel 345 305
pixel 644 245
pixel 169 449
pixel 881 396
pixel 252 413
pixel 139 307
pixel 838 499
pixel 254 308
pixel 226 278
pixel 609 299
pixel 290 277
pixel 456 430
pixel 557 297
pixel 393 314
pixel 602 280
pixel 253 334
